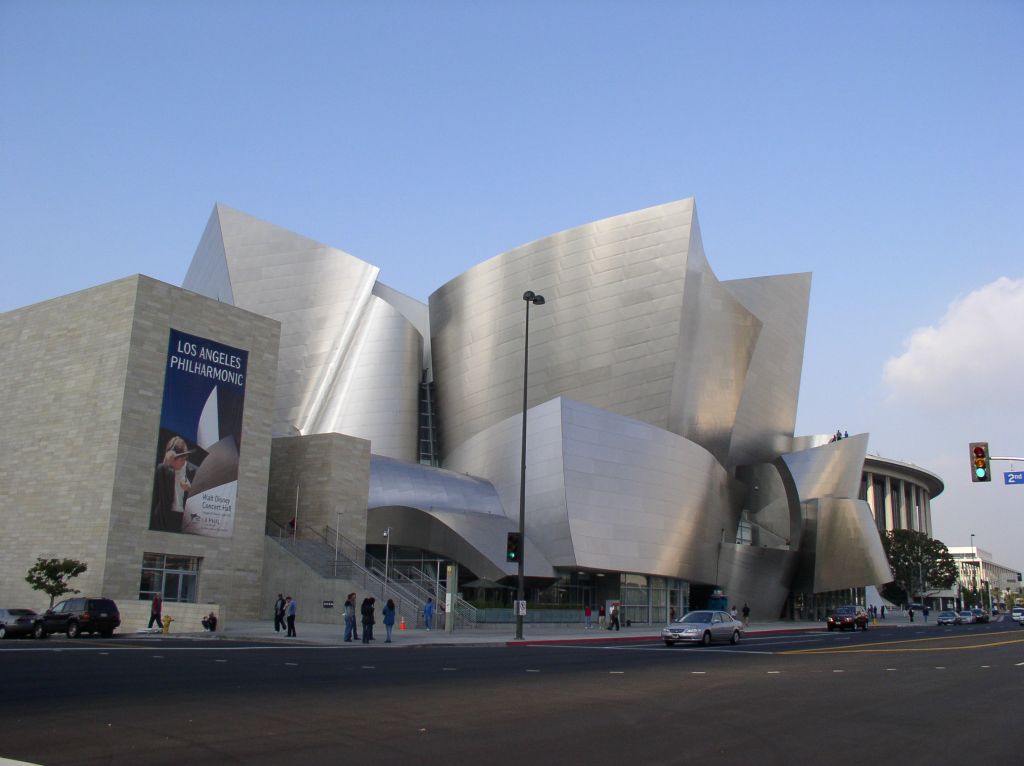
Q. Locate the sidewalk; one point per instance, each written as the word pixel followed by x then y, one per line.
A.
pixel 493 635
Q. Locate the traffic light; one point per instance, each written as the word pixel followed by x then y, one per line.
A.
pixel 981 470
pixel 514 547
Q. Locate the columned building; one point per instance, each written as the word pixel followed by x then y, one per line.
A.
pixel 899 494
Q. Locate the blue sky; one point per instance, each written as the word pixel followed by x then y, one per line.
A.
pixel 875 144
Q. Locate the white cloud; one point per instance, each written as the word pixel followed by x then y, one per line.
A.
pixel 975 347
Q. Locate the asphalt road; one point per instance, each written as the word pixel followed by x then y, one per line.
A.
pixel 907 696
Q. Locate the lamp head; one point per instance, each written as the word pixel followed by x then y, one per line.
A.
pixel 532 297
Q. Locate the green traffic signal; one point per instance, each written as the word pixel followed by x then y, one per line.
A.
pixel 980 462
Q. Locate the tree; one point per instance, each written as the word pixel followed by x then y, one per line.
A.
pixel 51 576
pixel 919 562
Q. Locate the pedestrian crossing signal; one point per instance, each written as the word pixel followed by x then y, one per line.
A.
pixel 514 547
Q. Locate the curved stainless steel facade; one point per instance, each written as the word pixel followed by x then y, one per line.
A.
pixel 350 360
pixel 662 404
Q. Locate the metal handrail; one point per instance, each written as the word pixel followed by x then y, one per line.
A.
pixel 334 556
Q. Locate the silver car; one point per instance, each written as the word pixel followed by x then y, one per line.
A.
pixel 703 627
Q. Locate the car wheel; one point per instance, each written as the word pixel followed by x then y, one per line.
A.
pixel 670 643
pixel 106 633
pixel 706 638
pixel 73 630
pixel 38 631
pixel 735 638
pixel 831 628
pixel 3 631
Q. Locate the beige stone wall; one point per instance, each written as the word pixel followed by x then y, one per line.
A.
pixel 62 378
pixel 332 475
pixel 82 377
pixel 185 618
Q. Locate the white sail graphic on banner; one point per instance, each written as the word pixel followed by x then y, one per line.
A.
pixel 208 432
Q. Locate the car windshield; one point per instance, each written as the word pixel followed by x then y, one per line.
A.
pixel 846 611
pixel 696 617
pixel 966 614
pixel 20 612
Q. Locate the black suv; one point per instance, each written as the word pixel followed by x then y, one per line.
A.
pixel 75 616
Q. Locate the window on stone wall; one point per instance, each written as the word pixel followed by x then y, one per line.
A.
pixel 176 578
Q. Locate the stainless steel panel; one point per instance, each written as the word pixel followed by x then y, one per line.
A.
pixel 848 550
pixel 349 360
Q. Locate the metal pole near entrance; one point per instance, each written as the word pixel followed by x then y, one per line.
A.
pixel 537 300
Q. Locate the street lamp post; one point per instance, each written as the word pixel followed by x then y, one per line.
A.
pixel 387 555
pixel 529 297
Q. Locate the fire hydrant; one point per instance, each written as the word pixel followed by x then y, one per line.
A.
pixel 167 623
pixel 401 624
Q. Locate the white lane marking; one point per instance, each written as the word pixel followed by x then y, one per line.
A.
pixel 1019 664
pixel 617 672
pixel 368 667
pixel 105 654
pixel 158 656
pixel 838 671
pixel 292 664
pixel 448 668
pixel 986 666
pixel 939 667
pixel 220 660
pixel 531 670
pixel 666 649
pixel 698 672
pixel 890 668
pixel 774 672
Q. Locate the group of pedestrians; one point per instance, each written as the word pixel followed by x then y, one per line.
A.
pixel 366 613
pixel 285 609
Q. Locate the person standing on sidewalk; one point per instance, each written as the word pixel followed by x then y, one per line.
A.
pixel 614 624
pixel 588 617
pixel 279 623
pixel 428 613
pixel 367 610
pixel 388 613
pixel 600 616
pixel 290 608
pixel 349 612
pixel 155 611
pixel 746 615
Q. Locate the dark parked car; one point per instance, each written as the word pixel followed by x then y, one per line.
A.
pixel 75 616
pixel 851 617
pixel 16 622
pixel 980 615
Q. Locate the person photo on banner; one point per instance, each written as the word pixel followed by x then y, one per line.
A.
pixel 170 487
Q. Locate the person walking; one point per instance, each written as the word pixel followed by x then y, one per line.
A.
pixel 388 613
pixel 279 623
pixel 588 617
pixel 349 612
pixel 614 624
pixel 883 611
pixel 428 613
pixel 155 613
pixel 746 615
pixel 367 612
pixel 290 608
pixel 733 612
pixel 600 616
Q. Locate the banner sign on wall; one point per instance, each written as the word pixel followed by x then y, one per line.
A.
pixel 196 477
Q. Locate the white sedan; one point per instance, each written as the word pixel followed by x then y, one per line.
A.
pixel 703 627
